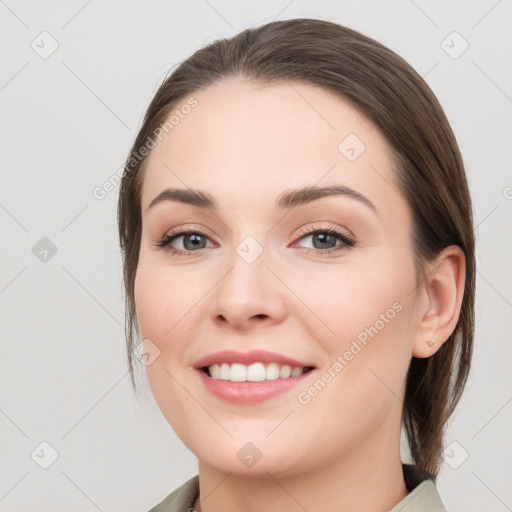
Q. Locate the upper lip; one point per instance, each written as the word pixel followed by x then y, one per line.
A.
pixel 254 356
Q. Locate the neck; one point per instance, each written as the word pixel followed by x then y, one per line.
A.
pixel 369 480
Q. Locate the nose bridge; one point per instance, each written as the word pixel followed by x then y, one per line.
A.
pixel 248 271
pixel 249 289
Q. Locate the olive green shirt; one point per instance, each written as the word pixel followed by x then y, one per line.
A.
pixel 422 497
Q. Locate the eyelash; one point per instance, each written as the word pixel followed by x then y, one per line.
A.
pixel 347 240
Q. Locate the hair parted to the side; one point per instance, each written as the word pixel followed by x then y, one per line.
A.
pixel 428 165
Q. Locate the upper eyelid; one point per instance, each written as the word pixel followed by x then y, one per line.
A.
pixel 189 231
pixel 304 232
pixel 313 229
pixel 204 232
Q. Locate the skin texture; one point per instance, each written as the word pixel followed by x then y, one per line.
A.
pixel 245 145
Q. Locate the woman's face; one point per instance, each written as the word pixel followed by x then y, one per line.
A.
pixel 262 273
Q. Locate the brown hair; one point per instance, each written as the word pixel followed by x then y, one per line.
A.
pixel 429 168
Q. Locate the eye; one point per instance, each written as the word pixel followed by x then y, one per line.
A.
pixel 193 241
pixel 325 240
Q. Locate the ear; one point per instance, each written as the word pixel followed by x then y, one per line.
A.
pixel 440 300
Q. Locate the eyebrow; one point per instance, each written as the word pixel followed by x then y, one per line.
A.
pixel 287 200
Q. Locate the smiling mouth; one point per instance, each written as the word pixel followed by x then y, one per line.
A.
pixel 255 372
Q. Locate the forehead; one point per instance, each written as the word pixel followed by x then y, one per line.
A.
pixel 262 139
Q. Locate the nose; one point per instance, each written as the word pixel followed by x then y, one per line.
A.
pixel 248 295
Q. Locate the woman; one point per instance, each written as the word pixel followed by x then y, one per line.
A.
pixel 298 250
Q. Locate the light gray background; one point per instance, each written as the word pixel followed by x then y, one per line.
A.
pixel 68 121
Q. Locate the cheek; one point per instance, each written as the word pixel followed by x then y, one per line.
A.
pixel 165 313
pixel 368 355
pixel 350 299
pixel 366 313
pixel 162 300
pixel 160 306
pixel 152 304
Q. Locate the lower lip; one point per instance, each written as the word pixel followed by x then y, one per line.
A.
pixel 249 392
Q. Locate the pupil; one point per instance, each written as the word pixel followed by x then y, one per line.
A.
pixel 195 239
pixel 325 238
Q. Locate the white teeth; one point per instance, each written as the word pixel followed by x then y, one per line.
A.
pixel 273 371
pixel 285 371
pixel 238 372
pixel 296 372
pixel 214 371
pixel 256 372
pixel 224 371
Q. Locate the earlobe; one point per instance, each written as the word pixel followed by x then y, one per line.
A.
pixel 443 291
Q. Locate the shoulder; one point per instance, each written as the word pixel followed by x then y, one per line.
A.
pixel 181 499
pixel 423 495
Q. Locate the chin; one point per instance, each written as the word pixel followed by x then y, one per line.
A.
pixel 247 460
